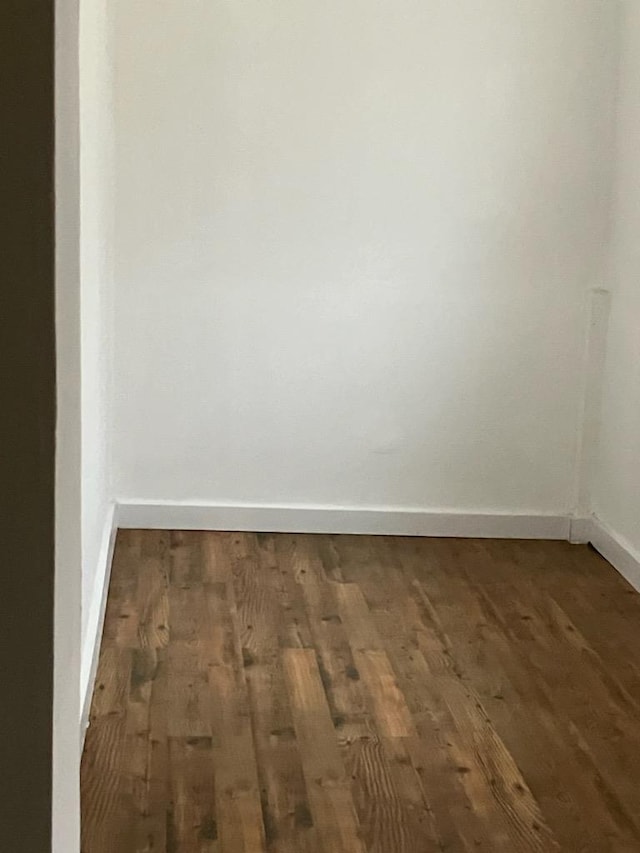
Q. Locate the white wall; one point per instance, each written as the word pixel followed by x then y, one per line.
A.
pixel 84 213
pixel 96 154
pixel 353 245
pixel 68 580
pixel 617 489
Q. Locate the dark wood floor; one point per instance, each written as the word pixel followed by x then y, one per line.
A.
pixel 343 694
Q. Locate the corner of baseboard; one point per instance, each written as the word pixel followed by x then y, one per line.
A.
pixel 616 550
pixel 580 529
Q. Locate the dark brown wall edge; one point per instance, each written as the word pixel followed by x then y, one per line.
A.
pixel 27 449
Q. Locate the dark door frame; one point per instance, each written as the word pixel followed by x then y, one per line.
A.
pixel 28 402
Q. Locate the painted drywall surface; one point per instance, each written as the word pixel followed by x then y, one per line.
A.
pixel 353 245
pixel 84 211
pixel 68 497
pixel 95 263
pixel 617 483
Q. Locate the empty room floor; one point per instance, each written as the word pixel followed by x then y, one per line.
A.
pixel 340 694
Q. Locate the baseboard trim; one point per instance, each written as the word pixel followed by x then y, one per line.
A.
pixel 614 548
pixel 95 619
pixel 317 519
pixel 580 528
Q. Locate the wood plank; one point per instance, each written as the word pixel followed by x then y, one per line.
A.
pixel 287 817
pixel 113 677
pixel 328 787
pixel 122 616
pixel 239 817
pixel 148 759
pixel 107 818
pixel 391 808
pixel 192 823
pixel 324 631
pixel 152 603
pixel 390 708
pixel 238 807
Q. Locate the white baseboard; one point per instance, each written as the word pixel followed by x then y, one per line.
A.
pixel 95 617
pixel 318 519
pixel 617 551
pixel 580 528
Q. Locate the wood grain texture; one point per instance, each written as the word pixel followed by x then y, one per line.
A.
pixel 342 694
